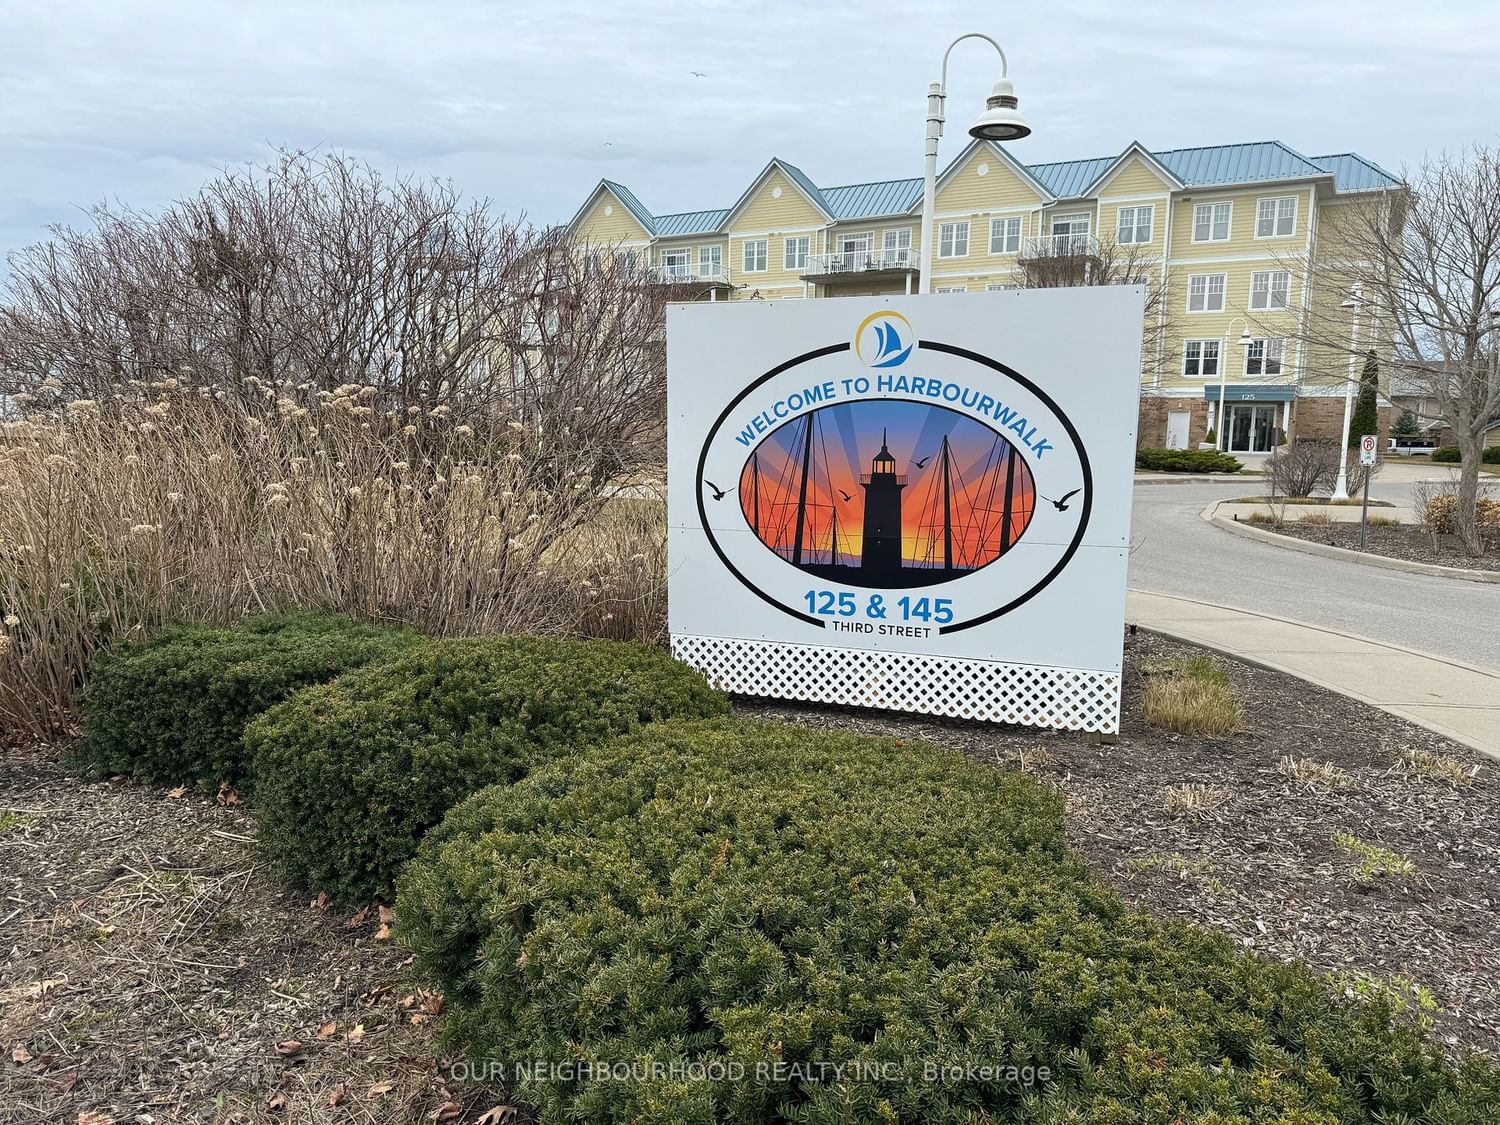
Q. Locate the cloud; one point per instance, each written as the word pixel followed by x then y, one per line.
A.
pixel 142 100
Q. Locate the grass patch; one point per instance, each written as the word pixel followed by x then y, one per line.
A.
pixel 1310 771
pixel 10 819
pixel 1192 798
pixel 1175 863
pixel 1438 767
pixel 1193 698
pixel 1316 519
pixel 1373 859
pixel 1306 500
pixel 1383 521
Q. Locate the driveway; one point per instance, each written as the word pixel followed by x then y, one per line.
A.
pixel 1175 552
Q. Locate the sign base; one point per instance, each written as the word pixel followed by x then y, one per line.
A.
pixel 983 690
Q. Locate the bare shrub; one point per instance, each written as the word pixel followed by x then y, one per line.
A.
pixel 172 505
pixel 1193 698
pixel 1312 772
pixel 1438 501
pixel 1316 519
pixel 1303 468
pixel 1193 798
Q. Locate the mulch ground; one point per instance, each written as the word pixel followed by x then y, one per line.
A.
pixel 154 971
pixel 1409 543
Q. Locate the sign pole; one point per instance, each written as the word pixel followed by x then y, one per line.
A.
pixel 1367 459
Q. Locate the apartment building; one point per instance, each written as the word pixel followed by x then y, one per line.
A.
pixel 1225 236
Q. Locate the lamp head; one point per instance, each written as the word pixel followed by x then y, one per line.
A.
pixel 1245 340
pixel 1001 120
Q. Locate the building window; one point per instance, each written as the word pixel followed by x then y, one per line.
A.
pixel 1134 225
pixel 1005 236
pixel 755 256
pixel 1276 218
pixel 794 252
pixel 1269 289
pixel 999 288
pixel 950 289
pixel 953 240
pixel 1264 357
pixel 897 247
pixel 676 263
pixel 711 261
pixel 1211 222
pixel 1205 292
pixel 1200 358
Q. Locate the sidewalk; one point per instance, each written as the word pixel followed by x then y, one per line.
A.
pixel 1459 701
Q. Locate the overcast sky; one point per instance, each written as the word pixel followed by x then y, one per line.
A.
pixel 531 103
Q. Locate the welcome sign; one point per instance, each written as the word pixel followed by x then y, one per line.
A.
pixel 916 503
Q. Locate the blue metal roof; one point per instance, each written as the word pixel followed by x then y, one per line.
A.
pixel 1068 178
pixel 691 222
pixel 865 201
pixel 633 205
pixel 805 183
pixel 1237 164
pixel 1352 172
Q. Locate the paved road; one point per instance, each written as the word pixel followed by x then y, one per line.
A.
pixel 1178 553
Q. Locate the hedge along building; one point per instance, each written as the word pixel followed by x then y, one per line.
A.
pixel 1228 235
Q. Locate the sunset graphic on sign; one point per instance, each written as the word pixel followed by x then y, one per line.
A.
pixel 887 493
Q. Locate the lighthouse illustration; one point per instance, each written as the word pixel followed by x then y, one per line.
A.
pixel 880 548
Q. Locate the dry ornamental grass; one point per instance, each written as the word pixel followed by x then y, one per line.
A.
pixel 167 505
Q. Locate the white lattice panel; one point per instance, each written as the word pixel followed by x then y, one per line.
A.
pixel 1064 698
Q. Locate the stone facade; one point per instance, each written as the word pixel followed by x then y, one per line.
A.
pixel 1315 418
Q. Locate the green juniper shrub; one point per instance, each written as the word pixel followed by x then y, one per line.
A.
pixel 354 772
pixel 743 897
pixel 172 709
pixel 1186 461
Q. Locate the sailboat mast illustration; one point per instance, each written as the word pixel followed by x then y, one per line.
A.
pixel 947 510
pixel 802 495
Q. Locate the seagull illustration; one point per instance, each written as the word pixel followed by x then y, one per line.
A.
pixel 1062 505
pixel 697 74
pixel 922 464
pixel 609 144
pixel 845 495
pixel 718 492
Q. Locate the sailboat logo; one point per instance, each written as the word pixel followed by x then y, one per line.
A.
pixel 883 339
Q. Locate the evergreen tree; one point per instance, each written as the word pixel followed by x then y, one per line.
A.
pixel 1366 418
pixel 1406 425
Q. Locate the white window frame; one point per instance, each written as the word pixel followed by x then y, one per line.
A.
pixel 755 255
pixel 1001 288
pixel 1269 291
pixel 1266 345
pixel 950 289
pixel 1213 210
pixel 1134 226
pixel 1008 242
pixel 711 260
pixel 948 239
pixel 683 261
pixel 794 251
pixel 1276 216
pixel 895 245
pixel 1208 291
pixel 1203 346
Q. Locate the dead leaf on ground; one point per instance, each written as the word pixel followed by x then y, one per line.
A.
pixel 89 1117
pixel 327 1030
pixel 20 1054
pixel 42 987
pixel 358 918
pixel 387 920
pixel 381 1088
pixel 276 1101
pixel 180 791
pixel 496 1115
pixel 338 1096
pixel 229 795
pixel 356 1033
pixel 289 1047
pixel 446 1112
pixel 321 902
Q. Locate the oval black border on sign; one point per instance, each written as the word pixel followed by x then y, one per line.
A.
pixel 930 345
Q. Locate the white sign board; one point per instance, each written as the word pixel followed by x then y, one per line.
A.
pixel 1367 449
pixel 914 503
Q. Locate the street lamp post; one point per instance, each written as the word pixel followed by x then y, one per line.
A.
pixel 1355 301
pixel 1245 342
pixel 1000 121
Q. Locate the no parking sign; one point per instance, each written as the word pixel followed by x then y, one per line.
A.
pixel 1367 449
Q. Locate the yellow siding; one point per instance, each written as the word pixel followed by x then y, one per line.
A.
pixel 1136 177
pixel 976 199
pixel 618 225
pixel 774 218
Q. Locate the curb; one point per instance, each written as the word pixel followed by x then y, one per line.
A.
pixel 1323 550
pixel 1195 478
pixel 1349 693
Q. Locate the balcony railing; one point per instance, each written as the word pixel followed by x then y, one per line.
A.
pixel 690 273
pixel 860 261
pixel 1060 246
pixel 883 478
